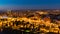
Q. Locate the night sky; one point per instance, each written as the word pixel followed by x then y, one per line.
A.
pixel 29 4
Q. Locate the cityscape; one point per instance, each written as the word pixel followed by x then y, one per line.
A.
pixel 30 21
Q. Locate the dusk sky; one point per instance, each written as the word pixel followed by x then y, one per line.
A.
pixel 29 4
